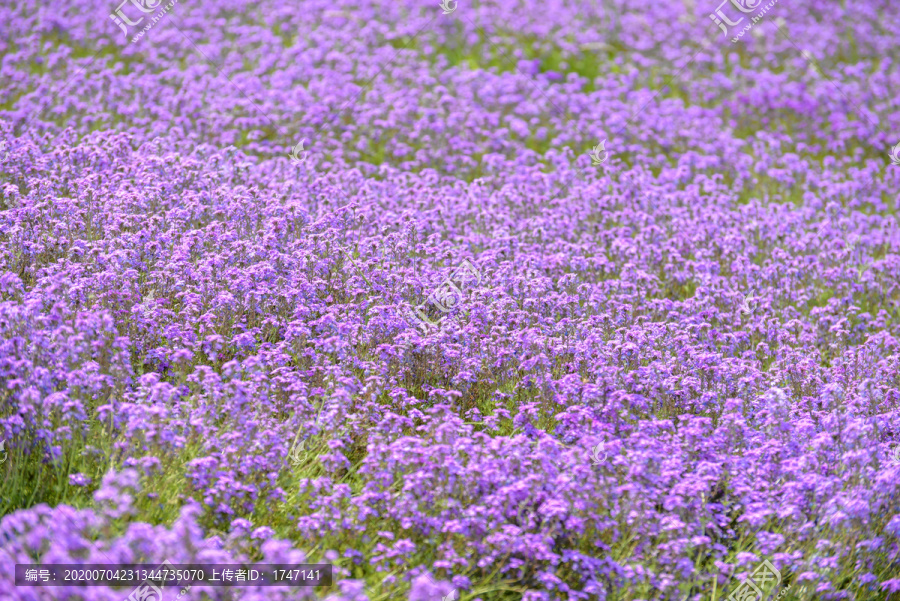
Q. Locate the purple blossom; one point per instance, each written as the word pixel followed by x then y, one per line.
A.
pixel 513 232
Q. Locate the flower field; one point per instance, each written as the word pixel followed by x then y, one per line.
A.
pixel 472 301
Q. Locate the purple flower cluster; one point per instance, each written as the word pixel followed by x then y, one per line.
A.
pixel 674 359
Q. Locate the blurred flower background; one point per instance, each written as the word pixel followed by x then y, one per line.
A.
pixel 679 357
